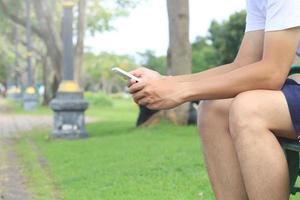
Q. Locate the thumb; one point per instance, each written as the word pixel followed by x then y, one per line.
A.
pixel 139 72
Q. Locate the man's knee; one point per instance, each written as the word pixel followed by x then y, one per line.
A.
pixel 244 115
pixel 211 111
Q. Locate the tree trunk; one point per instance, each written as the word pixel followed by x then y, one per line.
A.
pixel 79 49
pixel 46 30
pixel 179 52
pixel 179 59
pixel 51 36
pixel 47 92
pixel 54 85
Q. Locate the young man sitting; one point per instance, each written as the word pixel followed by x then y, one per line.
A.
pixel 246 104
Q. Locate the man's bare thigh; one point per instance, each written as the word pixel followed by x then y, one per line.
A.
pixel 270 106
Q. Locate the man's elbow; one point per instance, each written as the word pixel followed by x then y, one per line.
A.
pixel 276 79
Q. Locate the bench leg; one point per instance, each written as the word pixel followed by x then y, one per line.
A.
pixel 293 164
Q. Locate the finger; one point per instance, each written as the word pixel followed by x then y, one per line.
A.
pixel 138 96
pixel 131 82
pixel 135 101
pixel 136 87
pixel 150 107
pixel 138 72
pixel 143 101
pixel 153 106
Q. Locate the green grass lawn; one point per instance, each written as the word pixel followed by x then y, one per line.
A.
pixel 17 108
pixel 117 161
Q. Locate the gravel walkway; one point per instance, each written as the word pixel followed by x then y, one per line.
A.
pixel 13 186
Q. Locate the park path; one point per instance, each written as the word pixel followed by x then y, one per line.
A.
pixel 13 185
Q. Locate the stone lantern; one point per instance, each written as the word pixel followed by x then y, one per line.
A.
pixel 69 105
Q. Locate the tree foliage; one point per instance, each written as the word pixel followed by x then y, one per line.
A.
pixel 99 74
pixel 7 56
pixel 226 36
pixel 203 55
pixel 46 24
pixel 102 13
pixel 151 61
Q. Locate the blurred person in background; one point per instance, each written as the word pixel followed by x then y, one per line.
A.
pixel 2 90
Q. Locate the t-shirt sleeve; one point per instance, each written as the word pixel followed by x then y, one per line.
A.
pixel 282 14
pixel 256 18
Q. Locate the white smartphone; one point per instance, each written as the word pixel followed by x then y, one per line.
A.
pixel 125 74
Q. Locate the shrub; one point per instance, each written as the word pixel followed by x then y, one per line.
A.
pixel 98 99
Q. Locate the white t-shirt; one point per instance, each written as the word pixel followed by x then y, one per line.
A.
pixel 273 15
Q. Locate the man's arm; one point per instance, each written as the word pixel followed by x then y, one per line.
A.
pixel 268 73
pixel 251 51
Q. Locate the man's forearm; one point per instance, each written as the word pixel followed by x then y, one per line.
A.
pixel 208 73
pixel 260 75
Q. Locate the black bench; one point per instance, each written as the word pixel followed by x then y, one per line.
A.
pixel 291 149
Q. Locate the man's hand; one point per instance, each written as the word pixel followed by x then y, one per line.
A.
pixel 144 74
pixel 158 93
